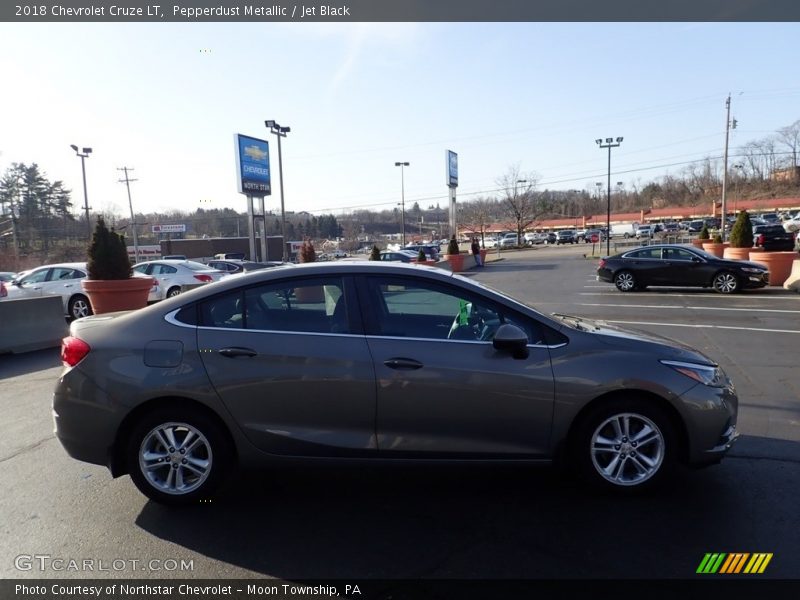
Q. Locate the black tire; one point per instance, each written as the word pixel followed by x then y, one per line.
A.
pixel 645 455
pixel 202 469
pixel 725 282
pixel 79 306
pixel 625 281
pixel 173 291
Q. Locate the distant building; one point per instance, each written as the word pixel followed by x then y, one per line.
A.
pixel 790 174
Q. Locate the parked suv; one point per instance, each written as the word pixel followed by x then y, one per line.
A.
pixel 772 237
pixel 566 236
pixel 509 240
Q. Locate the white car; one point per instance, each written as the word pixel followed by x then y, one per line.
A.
pixel 172 275
pixel 792 225
pixel 62 279
pixel 489 241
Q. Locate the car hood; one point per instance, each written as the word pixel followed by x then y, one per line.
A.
pixel 635 340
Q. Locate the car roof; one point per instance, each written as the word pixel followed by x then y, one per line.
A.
pixel 73 265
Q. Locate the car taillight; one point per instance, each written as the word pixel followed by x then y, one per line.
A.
pixel 73 350
pixel 602 263
pixel 760 239
pixel 204 278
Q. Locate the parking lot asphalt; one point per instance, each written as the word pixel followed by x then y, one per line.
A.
pixel 453 522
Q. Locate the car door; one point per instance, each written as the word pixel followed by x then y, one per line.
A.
pixel 682 267
pixel 63 282
pixel 32 284
pixel 290 363
pixel 442 388
pixel 646 265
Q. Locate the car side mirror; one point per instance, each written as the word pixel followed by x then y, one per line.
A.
pixel 510 338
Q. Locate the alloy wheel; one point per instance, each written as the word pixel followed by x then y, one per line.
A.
pixel 625 281
pixel 80 307
pixel 726 283
pixel 175 458
pixel 627 449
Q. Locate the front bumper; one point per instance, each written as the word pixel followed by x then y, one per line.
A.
pixel 710 416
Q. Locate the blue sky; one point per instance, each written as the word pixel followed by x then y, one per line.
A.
pixel 360 97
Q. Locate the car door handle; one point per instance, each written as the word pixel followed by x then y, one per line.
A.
pixel 236 352
pixel 404 364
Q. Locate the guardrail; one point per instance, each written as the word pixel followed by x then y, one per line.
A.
pixel 664 239
pixel 29 324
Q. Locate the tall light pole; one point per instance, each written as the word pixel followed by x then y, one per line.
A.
pixel 84 155
pixel 280 132
pixel 609 143
pixel 402 166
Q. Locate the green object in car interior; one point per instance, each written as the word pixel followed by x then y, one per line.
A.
pixel 463 312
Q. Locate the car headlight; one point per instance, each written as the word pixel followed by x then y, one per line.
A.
pixel 753 270
pixel 705 374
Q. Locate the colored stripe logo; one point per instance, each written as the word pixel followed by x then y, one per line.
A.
pixel 734 563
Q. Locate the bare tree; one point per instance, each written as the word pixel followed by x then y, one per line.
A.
pixel 519 199
pixel 477 215
pixel 789 136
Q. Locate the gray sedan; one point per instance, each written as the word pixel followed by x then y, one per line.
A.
pixel 363 361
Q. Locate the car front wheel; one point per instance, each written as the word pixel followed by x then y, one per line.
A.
pixel 173 291
pixel 625 281
pixel 625 445
pixel 725 283
pixel 178 457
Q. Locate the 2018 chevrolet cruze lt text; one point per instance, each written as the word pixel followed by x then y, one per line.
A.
pixel 367 361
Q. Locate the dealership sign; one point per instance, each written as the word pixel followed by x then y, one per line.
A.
pixel 177 228
pixel 452 169
pixel 252 166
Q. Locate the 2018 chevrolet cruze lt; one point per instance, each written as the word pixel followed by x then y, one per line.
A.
pixel 368 361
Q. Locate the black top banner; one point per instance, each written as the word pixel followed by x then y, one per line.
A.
pixel 401 11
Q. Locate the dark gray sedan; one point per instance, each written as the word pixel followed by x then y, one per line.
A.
pixel 364 361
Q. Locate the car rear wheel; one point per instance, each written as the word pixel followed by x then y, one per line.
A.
pixel 173 291
pixel 625 281
pixel 79 306
pixel 725 283
pixel 177 457
pixel 625 445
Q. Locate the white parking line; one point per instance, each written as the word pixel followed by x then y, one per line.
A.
pixel 699 326
pixel 659 306
pixel 795 298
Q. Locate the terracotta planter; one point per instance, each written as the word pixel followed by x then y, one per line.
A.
pixel 428 263
pixel 456 262
pixel 698 243
pixel 113 295
pixel 715 249
pixel 483 255
pixel 736 253
pixel 778 263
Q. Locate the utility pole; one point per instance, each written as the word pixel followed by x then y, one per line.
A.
pixel 127 183
pixel 728 126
